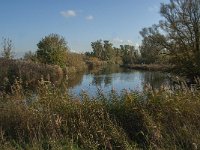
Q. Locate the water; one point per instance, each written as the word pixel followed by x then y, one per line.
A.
pixel 107 79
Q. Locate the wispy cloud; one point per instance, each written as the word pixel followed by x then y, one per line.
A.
pixel 90 17
pixel 68 13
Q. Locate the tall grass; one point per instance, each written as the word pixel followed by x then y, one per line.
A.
pixel 53 119
pixel 54 116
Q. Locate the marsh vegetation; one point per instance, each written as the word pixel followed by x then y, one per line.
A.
pixel 37 110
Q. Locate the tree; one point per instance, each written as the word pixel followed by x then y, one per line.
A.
pixel 109 51
pixel 98 49
pixel 129 54
pixel 52 49
pixel 30 56
pixel 150 50
pixel 103 50
pixel 7 48
pixel 182 29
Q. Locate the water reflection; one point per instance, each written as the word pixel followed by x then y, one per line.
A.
pixel 116 78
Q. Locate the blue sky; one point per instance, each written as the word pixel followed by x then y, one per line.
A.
pixel 26 22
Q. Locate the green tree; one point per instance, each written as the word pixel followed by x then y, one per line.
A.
pixel 150 50
pixel 7 51
pixel 98 49
pixel 129 54
pixel 103 50
pixel 109 51
pixel 52 49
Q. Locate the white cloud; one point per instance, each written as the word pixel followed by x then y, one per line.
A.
pixel 117 40
pixel 90 17
pixel 68 13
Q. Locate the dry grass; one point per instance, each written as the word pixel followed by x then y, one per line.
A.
pixel 28 72
pixel 55 116
pixel 155 119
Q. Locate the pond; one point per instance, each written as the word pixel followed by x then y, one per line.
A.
pixel 114 77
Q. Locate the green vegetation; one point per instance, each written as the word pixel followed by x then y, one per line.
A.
pixel 105 51
pixel 52 49
pixel 52 119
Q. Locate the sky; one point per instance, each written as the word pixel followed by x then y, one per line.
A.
pixel 80 22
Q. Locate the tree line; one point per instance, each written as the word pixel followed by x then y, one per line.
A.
pixel 105 51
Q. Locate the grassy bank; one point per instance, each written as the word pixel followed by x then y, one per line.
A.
pixel 155 119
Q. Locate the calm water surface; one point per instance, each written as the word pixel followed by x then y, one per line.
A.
pixel 115 78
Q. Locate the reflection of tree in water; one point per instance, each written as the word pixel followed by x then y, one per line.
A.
pixel 98 80
pixel 155 79
pixel 75 80
pixel 107 80
pixel 106 70
pixel 102 75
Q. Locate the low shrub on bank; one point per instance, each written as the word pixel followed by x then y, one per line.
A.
pixel 52 119
pixel 28 72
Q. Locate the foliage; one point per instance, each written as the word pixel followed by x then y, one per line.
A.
pixel 7 51
pixel 52 49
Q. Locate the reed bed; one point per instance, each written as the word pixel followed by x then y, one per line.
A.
pixel 53 119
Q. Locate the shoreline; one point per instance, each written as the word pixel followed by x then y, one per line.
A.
pixel 149 67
